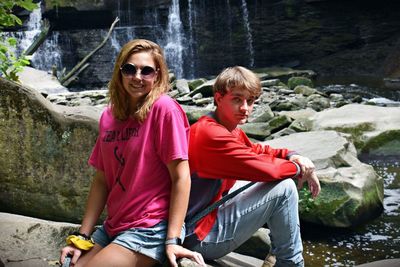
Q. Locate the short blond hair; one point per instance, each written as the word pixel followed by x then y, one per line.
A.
pixel 119 100
pixel 237 77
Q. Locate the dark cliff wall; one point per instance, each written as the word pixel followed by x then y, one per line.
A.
pixel 334 38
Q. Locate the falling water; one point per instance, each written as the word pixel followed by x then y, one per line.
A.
pixel 191 40
pixel 49 53
pixel 249 37
pixel 174 47
pixel 33 28
pixel 229 32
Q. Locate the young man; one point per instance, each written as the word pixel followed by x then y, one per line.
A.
pixel 219 154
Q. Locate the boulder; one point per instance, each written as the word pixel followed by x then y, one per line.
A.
pixel 28 241
pixel 372 129
pixel 31 242
pixel 352 192
pixel 43 154
pixel 41 81
pixel 293 82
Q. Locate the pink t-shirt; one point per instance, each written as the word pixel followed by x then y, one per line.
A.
pixel 137 154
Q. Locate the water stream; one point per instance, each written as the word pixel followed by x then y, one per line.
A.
pixel 376 240
pixel 249 37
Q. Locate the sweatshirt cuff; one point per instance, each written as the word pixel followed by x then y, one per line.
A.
pixel 298 172
pixel 291 153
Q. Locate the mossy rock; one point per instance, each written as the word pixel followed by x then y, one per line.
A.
pixel 335 207
pixel 43 161
pixel 386 143
pixel 356 134
pixel 296 81
pixel 196 83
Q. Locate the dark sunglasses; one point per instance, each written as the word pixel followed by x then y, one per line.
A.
pixel 129 70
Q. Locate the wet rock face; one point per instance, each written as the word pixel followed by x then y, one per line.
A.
pixel 43 156
pixel 334 38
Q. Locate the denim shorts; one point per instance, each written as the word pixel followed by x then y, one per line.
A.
pixel 146 241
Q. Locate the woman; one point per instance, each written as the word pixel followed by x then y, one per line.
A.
pixel 142 173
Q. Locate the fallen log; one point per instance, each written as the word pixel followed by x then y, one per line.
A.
pixel 39 38
pixel 81 64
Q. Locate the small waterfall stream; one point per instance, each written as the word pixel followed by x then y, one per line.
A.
pixel 49 53
pixel 174 40
pixel 192 17
pixel 249 36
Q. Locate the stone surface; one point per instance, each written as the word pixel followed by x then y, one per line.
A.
pixel 41 81
pixel 352 192
pixel 26 241
pixel 43 154
pixel 373 129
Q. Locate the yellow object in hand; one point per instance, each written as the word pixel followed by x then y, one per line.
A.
pixel 80 242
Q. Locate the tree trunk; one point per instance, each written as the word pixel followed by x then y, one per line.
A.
pixel 76 69
pixel 39 39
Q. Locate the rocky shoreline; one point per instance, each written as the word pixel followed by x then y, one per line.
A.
pixel 47 135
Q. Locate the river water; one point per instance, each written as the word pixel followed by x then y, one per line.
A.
pixel 378 239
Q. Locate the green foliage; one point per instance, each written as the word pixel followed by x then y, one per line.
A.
pixel 10 63
pixel 306 202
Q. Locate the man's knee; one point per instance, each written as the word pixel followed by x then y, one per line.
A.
pixel 289 189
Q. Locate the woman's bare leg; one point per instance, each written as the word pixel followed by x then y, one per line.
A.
pixel 118 256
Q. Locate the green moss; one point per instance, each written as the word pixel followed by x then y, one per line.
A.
pixel 295 81
pixel 326 207
pixel 356 133
pixel 279 122
pixel 387 143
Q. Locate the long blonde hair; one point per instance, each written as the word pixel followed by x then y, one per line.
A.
pixel 119 100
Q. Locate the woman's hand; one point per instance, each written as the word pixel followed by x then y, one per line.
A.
pixel 175 252
pixel 75 252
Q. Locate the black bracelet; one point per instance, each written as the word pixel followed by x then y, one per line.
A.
pixel 173 241
pixel 86 237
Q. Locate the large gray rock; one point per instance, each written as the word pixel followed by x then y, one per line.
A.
pixel 352 192
pixel 43 154
pixel 26 241
pixel 41 81
pixel 31 242
pixel 372 129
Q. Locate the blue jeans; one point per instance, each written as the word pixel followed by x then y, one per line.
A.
pixel 272 203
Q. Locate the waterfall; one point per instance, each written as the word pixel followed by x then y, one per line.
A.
pixel 192 14
pixel 174 47
pixel 49 53
pixel 33 28
pixel 249 37
pixel 229 33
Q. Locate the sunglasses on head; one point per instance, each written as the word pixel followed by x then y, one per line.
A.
pixel 129 70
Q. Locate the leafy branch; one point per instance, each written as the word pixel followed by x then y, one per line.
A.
pixel 10 63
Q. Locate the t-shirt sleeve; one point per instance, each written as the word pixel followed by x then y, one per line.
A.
pixel 216 153
pixel 172 136
pixel 96 159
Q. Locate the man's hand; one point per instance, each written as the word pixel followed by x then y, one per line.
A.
pixel 175 252
pixel 313 184
pixel 307 174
